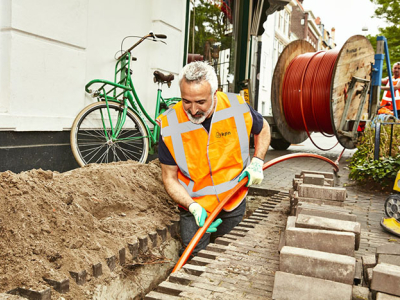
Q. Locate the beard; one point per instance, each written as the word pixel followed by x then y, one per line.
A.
pixel 200 115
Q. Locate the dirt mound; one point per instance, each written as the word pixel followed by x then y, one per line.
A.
pixel 52 223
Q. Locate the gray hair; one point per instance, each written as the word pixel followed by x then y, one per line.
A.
pixel 199 71
pixel 396 63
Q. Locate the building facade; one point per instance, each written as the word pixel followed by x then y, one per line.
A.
pixel 50 49
pixel 291 23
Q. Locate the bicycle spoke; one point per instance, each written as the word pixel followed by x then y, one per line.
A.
pixel 124 150
pixel 99 148
pixel 105 154
pixel 132 145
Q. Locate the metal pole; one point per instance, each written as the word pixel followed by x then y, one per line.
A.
pixel 194 25
pixel 377 140
pixel 391 140
pixel 389 68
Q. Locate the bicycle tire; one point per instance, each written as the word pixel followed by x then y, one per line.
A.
pixel 89 143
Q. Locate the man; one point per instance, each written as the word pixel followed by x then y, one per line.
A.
pixel 204 152
pixel 386 103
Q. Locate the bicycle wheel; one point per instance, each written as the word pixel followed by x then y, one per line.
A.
pixel 91 135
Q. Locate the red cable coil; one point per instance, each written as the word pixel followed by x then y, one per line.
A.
pixel 306 92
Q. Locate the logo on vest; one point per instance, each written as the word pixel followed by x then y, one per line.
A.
pixel 222 134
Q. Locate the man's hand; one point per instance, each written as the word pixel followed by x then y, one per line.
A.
pixel 200 215
pixel 254 172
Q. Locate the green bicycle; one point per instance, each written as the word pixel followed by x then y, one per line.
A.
pixel 114 128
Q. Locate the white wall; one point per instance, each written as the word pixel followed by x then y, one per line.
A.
pixel 267 67
pixel 49 50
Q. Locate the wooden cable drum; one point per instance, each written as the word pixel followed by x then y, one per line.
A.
pixel 309 88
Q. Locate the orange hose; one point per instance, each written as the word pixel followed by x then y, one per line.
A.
pixel 199 234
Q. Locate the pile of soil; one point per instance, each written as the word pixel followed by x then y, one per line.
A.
pixel 52 223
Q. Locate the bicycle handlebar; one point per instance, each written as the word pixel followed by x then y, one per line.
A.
pixel 160 36
pixel 151 34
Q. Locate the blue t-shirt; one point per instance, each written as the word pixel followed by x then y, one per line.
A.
pixel 166 158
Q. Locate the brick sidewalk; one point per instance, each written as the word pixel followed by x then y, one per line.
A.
pixel 233 267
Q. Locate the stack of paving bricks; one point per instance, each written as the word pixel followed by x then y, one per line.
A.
pixel 382 272
pixel 239 265
pixel 317 259
pixel 136 247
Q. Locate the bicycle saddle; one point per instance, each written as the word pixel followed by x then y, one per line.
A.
pixel 162 78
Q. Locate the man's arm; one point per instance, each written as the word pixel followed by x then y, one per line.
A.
pixel 387 88
pixel 262 141
pixel 174 189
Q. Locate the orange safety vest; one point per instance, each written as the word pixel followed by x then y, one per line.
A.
pixel 209 164
pixel 387 98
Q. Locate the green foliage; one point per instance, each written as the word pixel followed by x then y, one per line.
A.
pixel 363 167
pixel 388 10
pixel 210 26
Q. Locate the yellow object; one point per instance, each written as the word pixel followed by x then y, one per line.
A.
pixel 245 95
pixel 391 225
pixel 396 185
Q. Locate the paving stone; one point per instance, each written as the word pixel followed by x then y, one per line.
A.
pixel 389 259
pixel 162 232
pixel 237 233
pixel 291 286
pixel 244 290
pixel 200 261
pixel 122 256
pixel 111 262
pixel 61 286
pixel 300 200
pixel 313 222
pixel 194 270
pixel 153 239
pixel 143 244
pixel 322 192
pixel 32 294
pixel 79 277
pixel 321 240
pixel 361 293
pixel 208 287
pixel 368 276
pixel 315 179
pixel 291 222
pixel 174 230
pixel 321 212
pixel 223 241
pixel 382 296
pixel 182 277
pixel 175 289
pixel 133 248
pixel 207 254
pixel 325 174
pixel 97 270
pixel 386 279
pixel 216 248
pixel 318 264
pixel 153 295
pixel 388 249
pixel 358 274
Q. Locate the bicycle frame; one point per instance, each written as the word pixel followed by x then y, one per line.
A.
pixel 129 99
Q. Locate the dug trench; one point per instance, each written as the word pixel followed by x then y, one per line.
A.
pixel 98 232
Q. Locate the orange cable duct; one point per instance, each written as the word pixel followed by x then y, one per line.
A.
pixel 199 234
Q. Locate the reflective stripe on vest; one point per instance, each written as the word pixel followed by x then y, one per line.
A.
pixel 387 96
pixel 175 129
